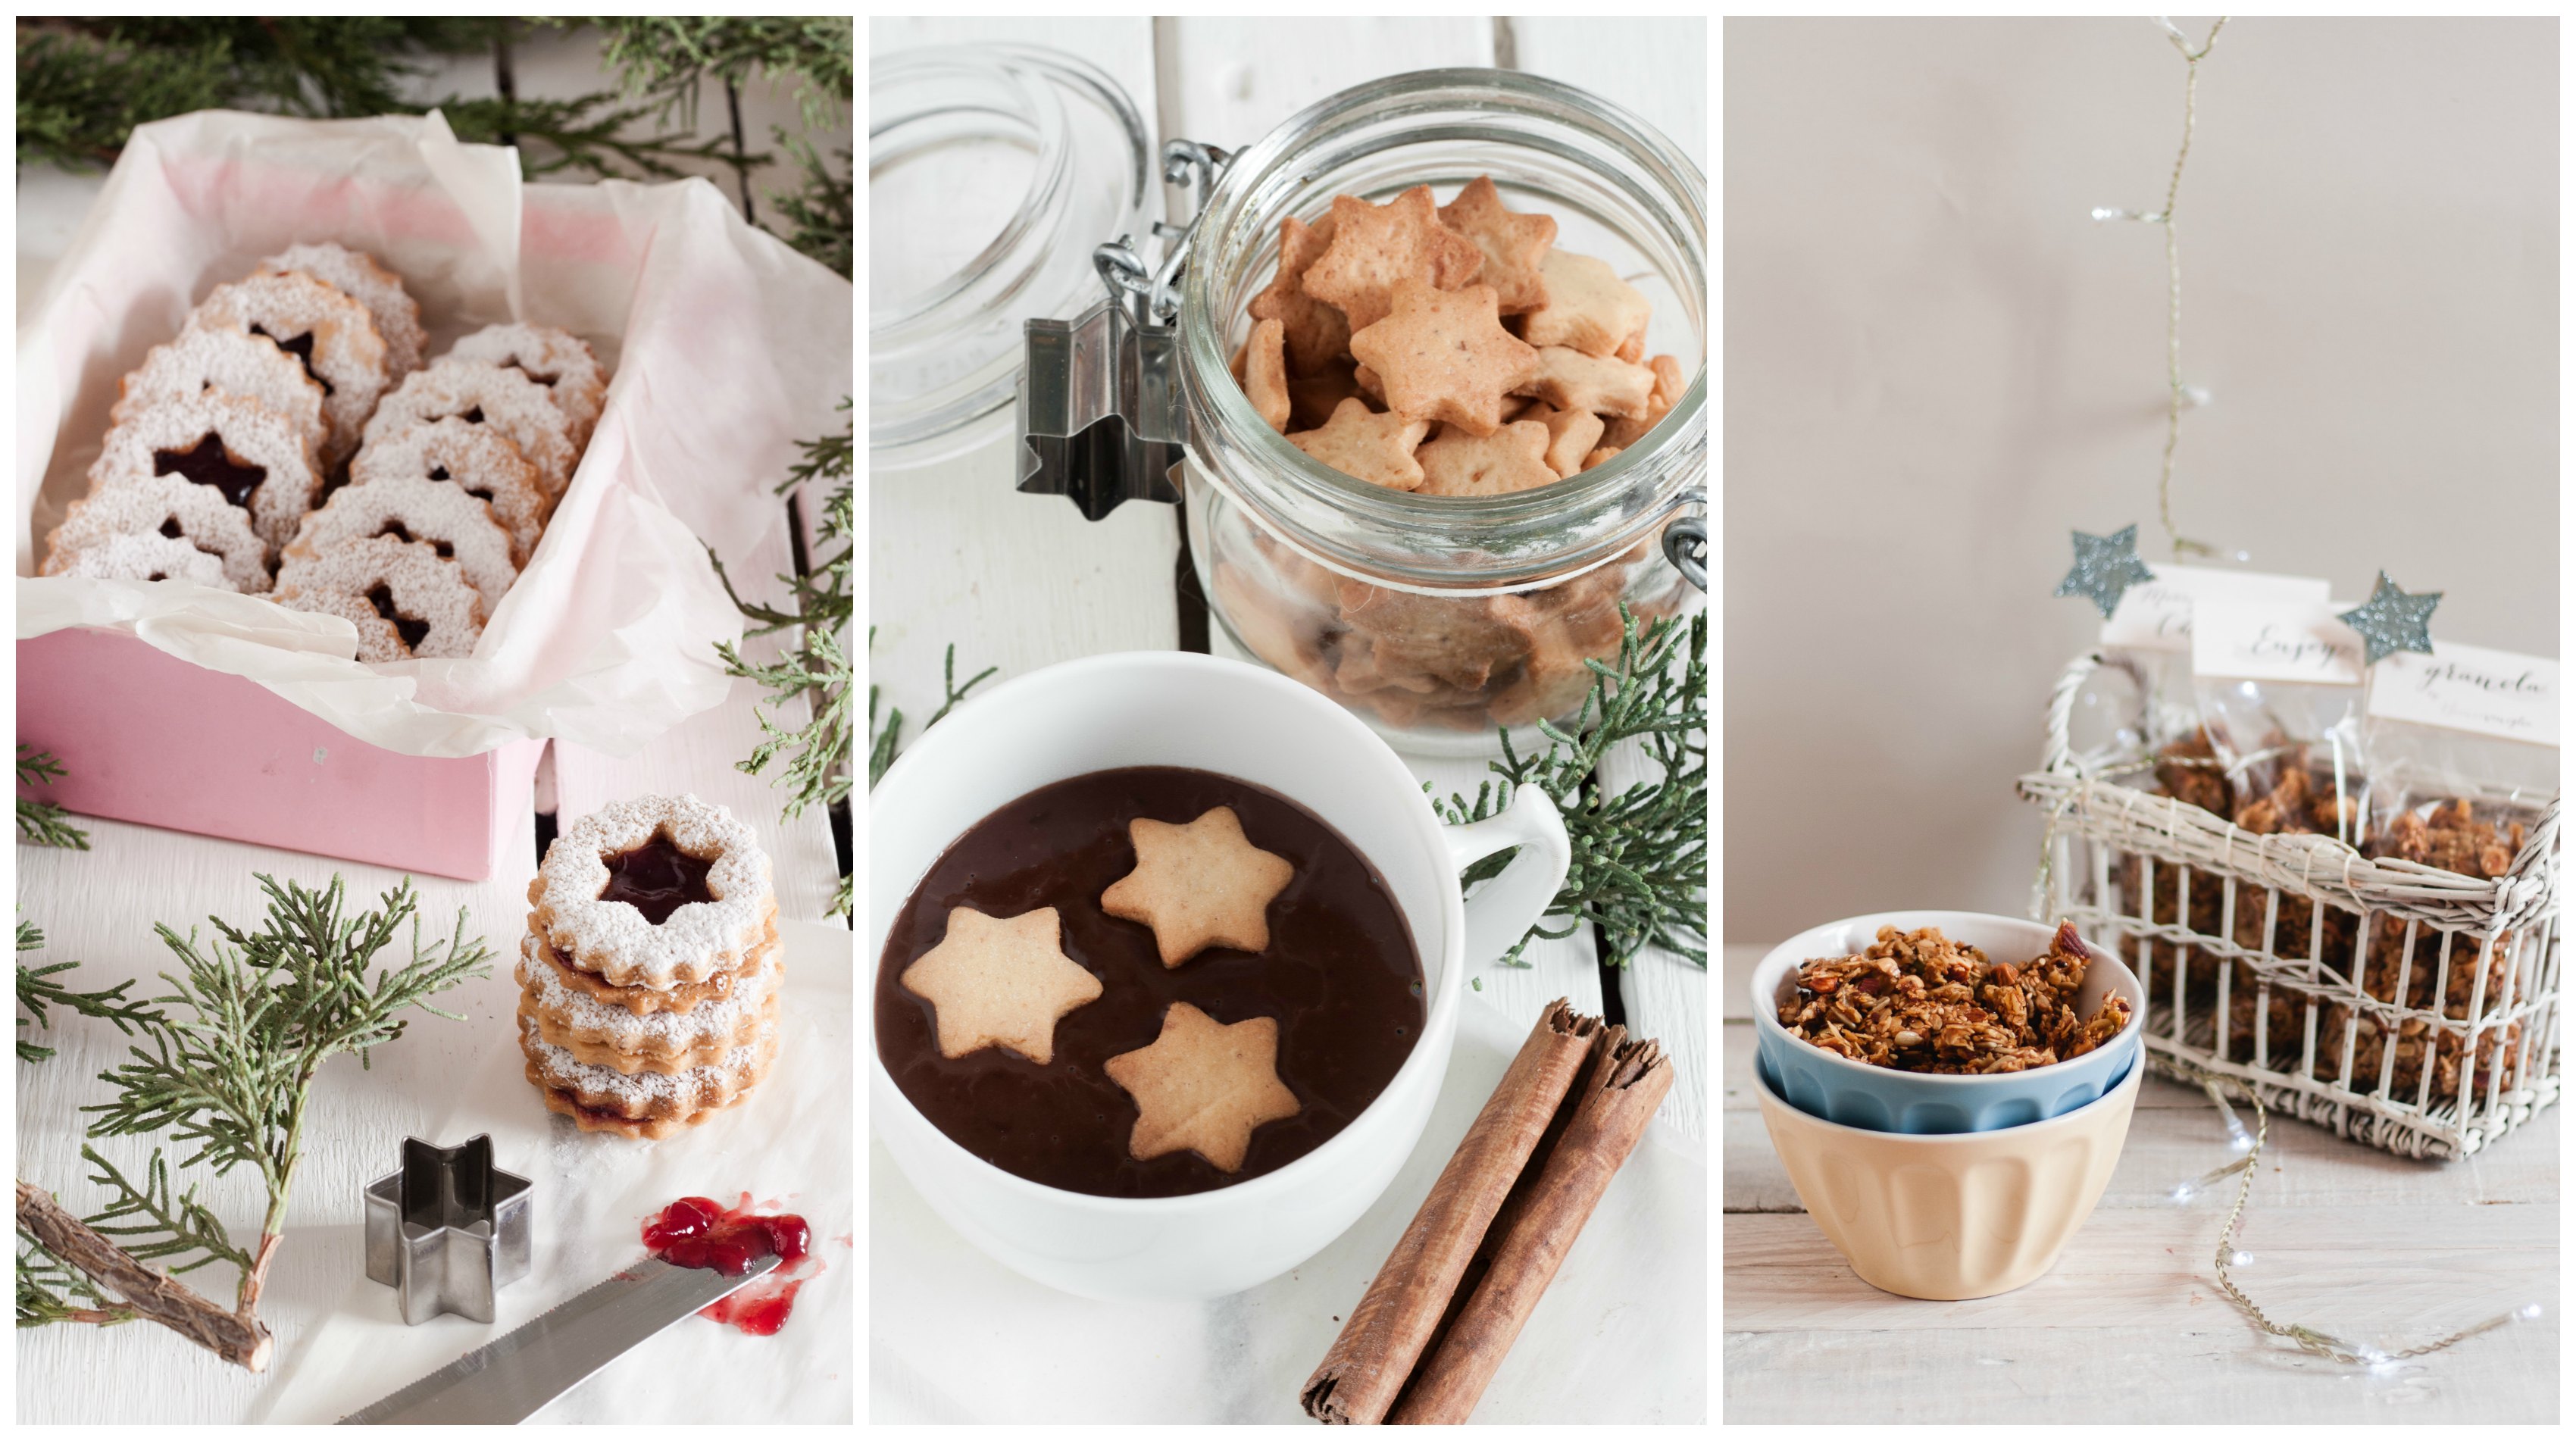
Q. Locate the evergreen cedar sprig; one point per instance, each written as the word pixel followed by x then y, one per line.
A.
pixel 669 58
pixel 83 85
pixel 1640 870
pixel 37 989
pixel 228 1069
pixel 41 822
pixel 815 665
pixel 884 742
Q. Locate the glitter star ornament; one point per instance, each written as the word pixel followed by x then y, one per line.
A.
pixel 2105 566
pixel 2392 620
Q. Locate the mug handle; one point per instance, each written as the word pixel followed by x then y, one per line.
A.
pixel 1512 902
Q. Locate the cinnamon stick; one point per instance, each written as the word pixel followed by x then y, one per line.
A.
pixel 1528 1241
pixel 146 1289
pixel 1360 1376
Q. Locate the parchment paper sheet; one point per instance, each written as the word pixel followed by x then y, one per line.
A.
pixel 724 345
pixel 1622 1334
pixel 789 1143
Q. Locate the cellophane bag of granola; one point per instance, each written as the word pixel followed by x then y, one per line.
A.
pixel 2464 757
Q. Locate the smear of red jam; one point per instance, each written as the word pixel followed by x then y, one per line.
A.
pixel 657 878
pixel 703 1235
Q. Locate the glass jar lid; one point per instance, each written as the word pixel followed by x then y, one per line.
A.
pixel 993 171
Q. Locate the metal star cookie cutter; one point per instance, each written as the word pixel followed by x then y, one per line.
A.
pixel 1100 395
pixel 448 1230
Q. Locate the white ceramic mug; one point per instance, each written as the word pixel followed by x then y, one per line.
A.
pixel 1173 708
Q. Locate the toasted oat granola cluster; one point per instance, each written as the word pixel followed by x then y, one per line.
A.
pixel 1919 1001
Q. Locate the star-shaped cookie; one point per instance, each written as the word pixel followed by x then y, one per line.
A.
pixel 1588 306
pixel 1512 458
pixel 1515 245
pixel 1376 246
pixel 1199 885
pixel 1359 442
pixel 1444 355
pixel 1605 385
pixel 1317 333
pixel 997 982
pixel 1203 1086
pixel 1265 373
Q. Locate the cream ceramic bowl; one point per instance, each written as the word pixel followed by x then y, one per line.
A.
pixel 1955 1217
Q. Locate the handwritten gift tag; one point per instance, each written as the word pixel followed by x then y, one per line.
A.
pixel 2470 688
pixel 2269 639
pixel 2156 614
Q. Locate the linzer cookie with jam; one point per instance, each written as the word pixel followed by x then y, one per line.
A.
pixel 650 976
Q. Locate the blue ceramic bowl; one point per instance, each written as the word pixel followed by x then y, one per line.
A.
pixel 1874 1098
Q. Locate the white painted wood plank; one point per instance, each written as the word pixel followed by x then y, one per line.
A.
pixel 2444 1246
pixel 1663 995
pixel 955 554
pixel 2144 1374
pixel 1654 67
pixel 1238 78
pixel 98 907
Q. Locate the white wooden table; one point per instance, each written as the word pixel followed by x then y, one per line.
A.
pixel 2131 1326
pixel 956 556
pixel 98 907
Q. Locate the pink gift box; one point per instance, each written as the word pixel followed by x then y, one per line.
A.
pixel 150 738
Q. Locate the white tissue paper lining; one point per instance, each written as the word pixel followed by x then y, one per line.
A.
pixel 724 347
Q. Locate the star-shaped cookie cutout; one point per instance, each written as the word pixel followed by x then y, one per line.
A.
pixel 1000 982
pixel 1444 355
pixel 1625 430
pixel 1515 245
pixel 1317 333
pixel 1605 385
pixel 1203 1086
pixel 1512 458
pixel 1359 442
pixel 1199 885
pixel 1376 246
pixel 2105 566
pixel 1588 306
pixel 2391 620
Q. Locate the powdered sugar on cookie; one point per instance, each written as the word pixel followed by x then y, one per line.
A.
pixel 104 532
pixel 555 359
pixel 407 601
pixel 356 274
pixel 477 460
pixel 233 361
pixel 612 939
pixel 248 454
pixel 484 394
pixel 444 517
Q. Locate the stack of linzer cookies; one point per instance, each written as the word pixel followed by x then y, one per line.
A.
pixel 291 443
pixel 650 975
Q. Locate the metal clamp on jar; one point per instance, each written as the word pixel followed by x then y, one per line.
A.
pixel 1435 618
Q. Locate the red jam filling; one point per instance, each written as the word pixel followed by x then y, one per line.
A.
pixel 657 878
pixel 413 632
pixel 702 1235
pixel 301 347
pixel 211 464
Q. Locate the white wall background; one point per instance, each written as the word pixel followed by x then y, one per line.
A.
pixel 1936 364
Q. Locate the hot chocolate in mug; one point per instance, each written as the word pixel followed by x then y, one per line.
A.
pixel 1171 708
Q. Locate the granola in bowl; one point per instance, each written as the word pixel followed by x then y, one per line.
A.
pixel 1919 1001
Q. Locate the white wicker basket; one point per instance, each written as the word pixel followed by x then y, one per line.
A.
pixel 2320 1033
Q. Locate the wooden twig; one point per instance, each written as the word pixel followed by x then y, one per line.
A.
pixel 146 1289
